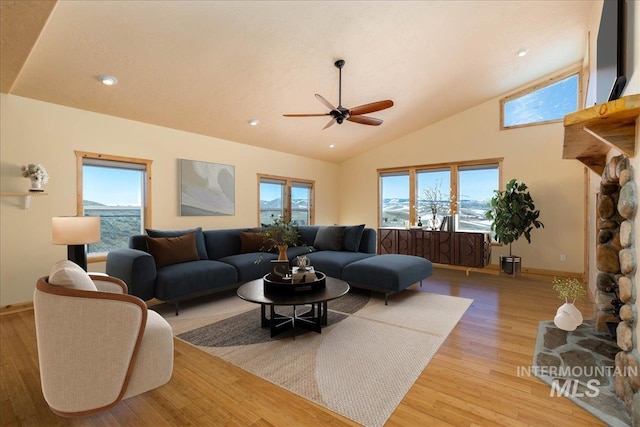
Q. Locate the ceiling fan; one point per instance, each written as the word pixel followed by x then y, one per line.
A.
pixel 355 114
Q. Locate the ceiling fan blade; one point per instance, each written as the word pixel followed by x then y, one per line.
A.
pixel 328 125
pixel 325 102
pixel 364 120
pixel 306 115
pixel 370 108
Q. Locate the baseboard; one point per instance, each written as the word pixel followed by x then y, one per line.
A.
pixel 526 271
pixel 16 308
pixel 490 269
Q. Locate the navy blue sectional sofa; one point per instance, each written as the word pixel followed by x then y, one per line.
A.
pixel 224 259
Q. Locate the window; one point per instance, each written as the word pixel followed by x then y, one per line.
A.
pixel 117 190
pixel 394 193
pixel 476 185
pixel 414 193
pixel 433 194
pixel 542 103
pixel 292 199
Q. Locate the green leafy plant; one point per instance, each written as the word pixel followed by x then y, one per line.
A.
pixel 280 233
pixel 513 214
pixel 569 289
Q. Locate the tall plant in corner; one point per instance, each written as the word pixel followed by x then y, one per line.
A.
pixel 513 214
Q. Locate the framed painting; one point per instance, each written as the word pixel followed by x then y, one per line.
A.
pixel 207 189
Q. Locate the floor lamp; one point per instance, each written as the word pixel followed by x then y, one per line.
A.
pixel 76 232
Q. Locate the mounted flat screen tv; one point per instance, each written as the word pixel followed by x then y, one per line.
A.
pixel 611 53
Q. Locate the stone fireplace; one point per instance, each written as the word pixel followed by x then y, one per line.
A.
pixel 616 261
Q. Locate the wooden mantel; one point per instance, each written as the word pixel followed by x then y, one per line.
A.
pixel 589 134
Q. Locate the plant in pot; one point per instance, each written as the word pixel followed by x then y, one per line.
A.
pixel 513 214
pixel 568 317
pixel 280 235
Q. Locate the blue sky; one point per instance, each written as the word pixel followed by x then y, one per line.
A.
pixel 474 184
pixel 112 187
pixel 548 103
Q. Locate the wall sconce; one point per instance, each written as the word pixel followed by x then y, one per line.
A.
pixel 76 232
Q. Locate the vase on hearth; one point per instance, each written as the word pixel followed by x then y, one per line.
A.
pixel 568 317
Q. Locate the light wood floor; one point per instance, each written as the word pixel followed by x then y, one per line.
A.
pixel 471 381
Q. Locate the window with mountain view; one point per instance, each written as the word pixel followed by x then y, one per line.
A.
pixel 394 196
pixel 115 189
pixel 289 198
pixel 542 103
pixel 476 186
pixel 415 193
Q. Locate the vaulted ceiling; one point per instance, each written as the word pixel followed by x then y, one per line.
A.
pixel 209 67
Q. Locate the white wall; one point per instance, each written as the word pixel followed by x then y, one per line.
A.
pixel 38 132
pixel 531 154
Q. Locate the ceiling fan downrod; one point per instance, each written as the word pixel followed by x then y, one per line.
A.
pixel 339 64
pixel 341 113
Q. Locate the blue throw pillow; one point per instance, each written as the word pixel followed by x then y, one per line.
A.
pixel 329 238
pixel 352 237
pixel 200 245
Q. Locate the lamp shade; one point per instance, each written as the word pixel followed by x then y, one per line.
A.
pixel 75 230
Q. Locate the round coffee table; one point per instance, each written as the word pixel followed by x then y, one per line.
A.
pixel 311 320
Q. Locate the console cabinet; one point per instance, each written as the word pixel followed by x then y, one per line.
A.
pixel 442 247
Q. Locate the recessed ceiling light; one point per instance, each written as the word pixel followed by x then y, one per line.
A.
pixel 108 80
pixel 332 145
pixel 522 52
pixel 254 122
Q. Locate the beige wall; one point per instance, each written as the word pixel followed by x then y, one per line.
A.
pixel 532 154
pixel 39 132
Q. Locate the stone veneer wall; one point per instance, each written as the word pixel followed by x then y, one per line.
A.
pixel 616 261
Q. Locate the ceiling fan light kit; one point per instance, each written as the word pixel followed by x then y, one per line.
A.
pixel 339 114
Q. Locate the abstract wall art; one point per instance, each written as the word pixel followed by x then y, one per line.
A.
pixel 206 189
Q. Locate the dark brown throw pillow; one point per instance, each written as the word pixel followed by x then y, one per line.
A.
pixel 251 242
pixel 173 250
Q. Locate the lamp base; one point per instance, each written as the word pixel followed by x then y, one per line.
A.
pixel 78 254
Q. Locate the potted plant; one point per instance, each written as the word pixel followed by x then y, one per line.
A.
pixel 280 234
pixel 568 317
pixel 37 174
pixel 513 214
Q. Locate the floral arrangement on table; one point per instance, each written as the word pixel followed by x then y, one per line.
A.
pixel 35 172
pixel 436 201
pixel 569 289
pixel 280 234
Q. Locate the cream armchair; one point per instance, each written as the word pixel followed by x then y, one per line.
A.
pixel 97 345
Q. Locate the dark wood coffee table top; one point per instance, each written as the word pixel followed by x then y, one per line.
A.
pixel 254 292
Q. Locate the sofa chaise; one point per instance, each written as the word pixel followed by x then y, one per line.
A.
pixel 172 266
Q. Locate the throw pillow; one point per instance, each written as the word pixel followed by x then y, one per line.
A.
pixel 352 237
pixel 329 238
pixel 200 244
pixel 173 250
pixel 68 274
pixel 251 242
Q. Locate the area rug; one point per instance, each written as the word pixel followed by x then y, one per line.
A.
pixel 360 366
pixel 579 365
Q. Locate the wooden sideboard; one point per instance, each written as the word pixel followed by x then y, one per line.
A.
pixel 442 247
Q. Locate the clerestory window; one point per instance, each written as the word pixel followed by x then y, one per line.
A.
pixel 546 102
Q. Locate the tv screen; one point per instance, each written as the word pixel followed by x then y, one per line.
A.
pixel 610 67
